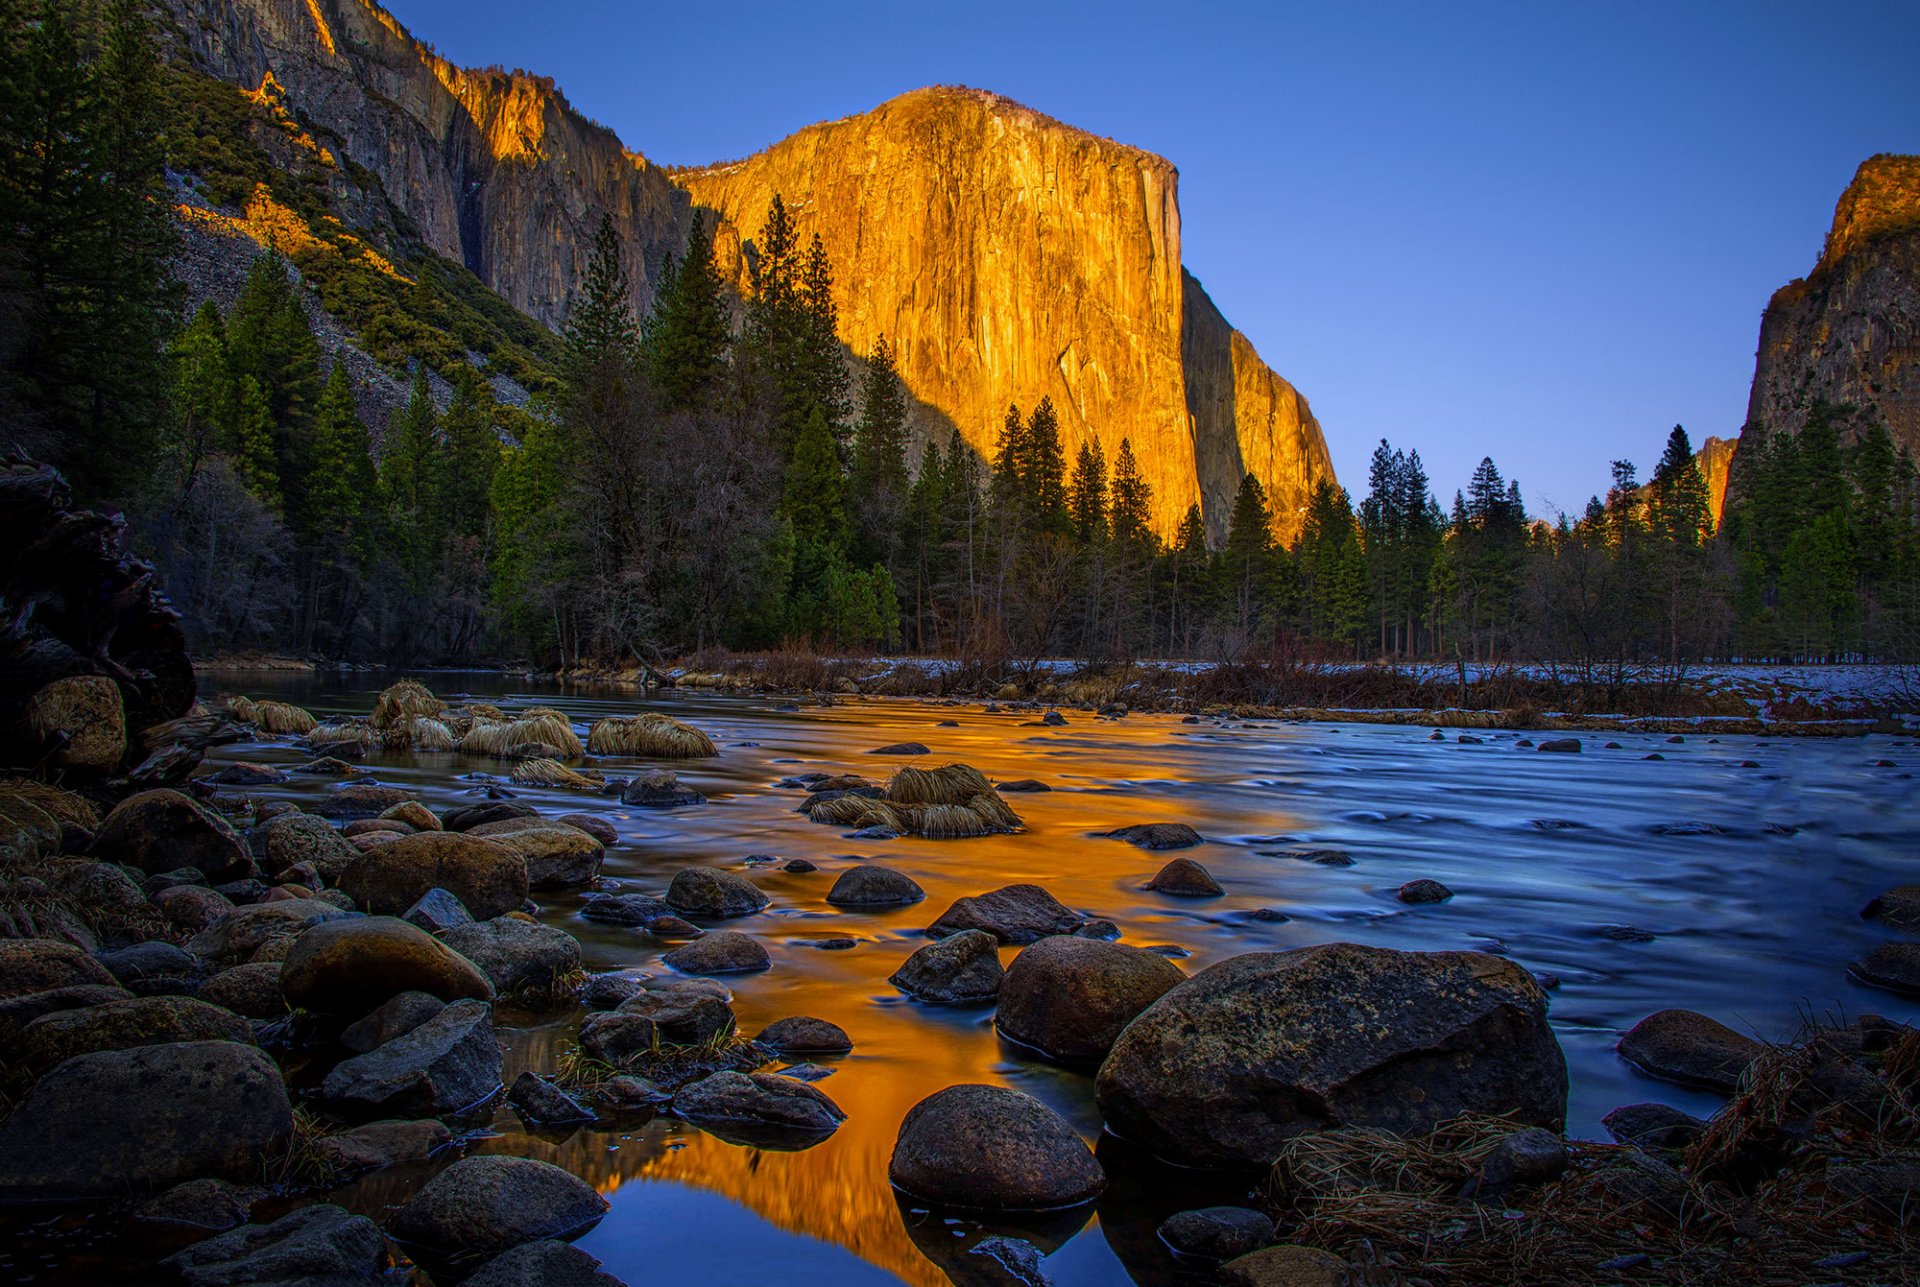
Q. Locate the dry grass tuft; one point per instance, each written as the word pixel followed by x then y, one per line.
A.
pixel 63 806
pixel 357 734
pixel 419 733
pixel 649 734
pixel 407 700
pixel 857 811
pixel 277 719
pixel 949 784
pixel 552 773
pixel 537 724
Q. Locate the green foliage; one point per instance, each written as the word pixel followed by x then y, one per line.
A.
pixel 687 336
pixel 877 483
pixel 1087 497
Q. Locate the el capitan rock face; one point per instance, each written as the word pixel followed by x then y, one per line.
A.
pixel 1006 256
pixel 1850 331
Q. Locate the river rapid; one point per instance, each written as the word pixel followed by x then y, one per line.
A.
pixel 1636 883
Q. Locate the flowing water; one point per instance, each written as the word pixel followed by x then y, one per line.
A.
pixel 1749 881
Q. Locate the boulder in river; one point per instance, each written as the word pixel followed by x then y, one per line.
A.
pixel 723 952
pixel 240 934
pixel 1225 1068
pixel 53 1039
pixel 1561 745
pixel 394 1018
pixel 362 800
pixel 541 1103
pixel 1423 891
pixel 804 1035
pixel 1892 966
pixel 162 829
pixel 148 1117
pixel 660 789
pixel 758 1107
pixel 1898 907
pixel 626 909
pixel 295 838
pixel 993 1148
pixel 447 1064
pixel 1286 1265
pixel 479 815
pixel 1215 1234
pixel 482 1206
pixel 1070 997
pixel 871 885
pixel 546 1263
pixel 321 1244
pixel 1017 914
pixel 1689 1048
pixel 521 958
pixel 962 969
pixel 1653 1126
pixel 715 894
pixel 438 911
pixel 348 967
pixel 490 880
pixel 381 1144
pixel 557 856
pixel 678 1017
pixel 901 748
pixel 1185 878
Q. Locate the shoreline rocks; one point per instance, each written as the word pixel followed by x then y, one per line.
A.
pixel 990 1148
pixel 1689 1048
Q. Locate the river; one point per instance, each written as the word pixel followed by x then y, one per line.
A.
pixel 1745 884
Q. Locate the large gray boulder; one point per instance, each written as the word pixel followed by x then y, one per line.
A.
pixel 1017 914
pixel 447 1064
pixel 482 1206
pixel 294 838
pixel 557 856
pixel 547 1263
pixel 522 958
pixel 961 970
pixel 1070 997
pixel 758 1107
pixel 1225 1068
pixel 489 879
pixel 987 1146
pixel 145 1118
pixel 349 967
pixel 160 830
pixel 52 1039
pixel 315 1245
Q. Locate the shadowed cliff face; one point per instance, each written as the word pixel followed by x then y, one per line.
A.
pixel 1850 332
pixel 491 169
pixel 1009 257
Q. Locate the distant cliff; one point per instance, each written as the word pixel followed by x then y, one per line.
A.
pixel 1849 333
pixel 1006 256
pixel 1715 459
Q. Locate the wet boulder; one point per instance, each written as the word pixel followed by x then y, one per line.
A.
pixel 1157 835
pixel 659 789
pixel 1892 966
pixel 677 1017
pixel 29 965
pixel 547 1263
pixel 252 990
pixel 489 880
pixel 963 969
pixel 557 857
pixel 1689 1048
pixel 416 815
pixel 198 1207
pixel 1523 1159
pixel 348 967
pixel 626 909
pixel 437 911
pixel 1225 1068
pixel 315 1244
pixel 479 815
pixel 804 1035
pixel 989 1147
pixel 760 1107
pixel 382 1144
pixel 1215 1234
pixel 1070 997
pixel 594 825
pixel 1653 1126
pixel 246 776
pixel 147 1117
pixel 901 748
pixel 1561 745
pixel 160 830
pixel 362 800
pixel 1017 914
pixel 724 952
pixel 541 1103
pixel 1423 891
pixel 191 907
pixel 153 968
pixel 521 958
pixel 482 1206
pixel 395 1017
pixel 608 991
pixel 1898 907
pixel 1185 878
pixel 241 933
pixel 871 885
pixel 447 1064
pixel 714 894
pixel 53 1039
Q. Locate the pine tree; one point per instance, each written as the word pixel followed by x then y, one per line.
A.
pixel 1045 480
pixel 1132 505
pixel 270 340
pixel 824 381
pixel 600 326
pixel 688 335
pixel 407 457
pixel 1247 560
pixel 1680 510
pixel 341 479
pixel 877 484
pixel 468 459
pixel 1012 467
pixel 1087 498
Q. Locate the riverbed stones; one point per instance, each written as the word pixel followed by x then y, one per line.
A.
pixel 1215 1234
pixel 482 1206
pixel 53 1039
pixel 29 965
pixel 557 856
pixel 348 967
pixel 546 1263
pixel 541 1103
pixel 246 776
pixel 805 1035
pixel 149 1117
pixel 1423 891
pixel 714 894
pixel 681 1017
pixel 993 1148
pixel 626 909
pixel 438 911
pixel 1560 746
pixel 191 907
pixel 242 933
pixel 1157 835
pixel 1898 907
pixel 198 1207
pixel 413 813
pixel 1286 1265
pixel 313 1245
pixel 153 967
pixel 160 830
pixel 1689 1048
pixel 447 1064
pixel 901 748
pixel 479 815
pixel 774 1107
pixel 17 1012
pixel 1225 1068
pixel 1070 997
pixel 252 989
pixel 1016 914
pixel 1892 966
pixel 1185 878
pixel 871 885
pixel 381 1144
pixel 395 1017
pixel 490 880
pixel 594 825
pixel 608 991
pixel 660 789
pixel 722 952
pixel 521 958
pixel 1653 1126
pixel 362 800
pixel 962 969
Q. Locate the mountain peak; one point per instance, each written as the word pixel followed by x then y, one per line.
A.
pixel 1883 199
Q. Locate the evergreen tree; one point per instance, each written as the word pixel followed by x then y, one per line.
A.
pixel 1247 561
pixel 877 484
pixel 1087 498
pixel 1680 511
pixel 407 459
pixel 824 379
pixel 1132 499
pixel 600 326
pixel 467 459
pixel 1045 479
pixel 688 335
pixel 270 341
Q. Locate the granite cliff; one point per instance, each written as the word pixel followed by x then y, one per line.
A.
pixel 1005 255
pixel 1849 332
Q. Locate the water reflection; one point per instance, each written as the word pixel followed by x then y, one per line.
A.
pixel 1749 883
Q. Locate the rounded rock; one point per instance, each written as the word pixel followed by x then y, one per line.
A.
pixel 482 1206
pixel 715 894
pixel 871 885
pixel 1070 997
pixel 804 1035
pixel 1690 1049
pixel 993 1148
pixel 963 969
pixel 1185 878
pixel 348 967
pixel 489 879
pixel 723 952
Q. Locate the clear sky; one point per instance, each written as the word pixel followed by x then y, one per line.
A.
pixel 1539 231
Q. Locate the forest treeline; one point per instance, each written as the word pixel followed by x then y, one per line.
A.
pixel 723 474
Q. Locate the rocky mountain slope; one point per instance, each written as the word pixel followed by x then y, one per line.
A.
pixel 1849 333
pixel 1005 255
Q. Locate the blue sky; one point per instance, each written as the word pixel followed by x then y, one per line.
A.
pixel 1540 231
